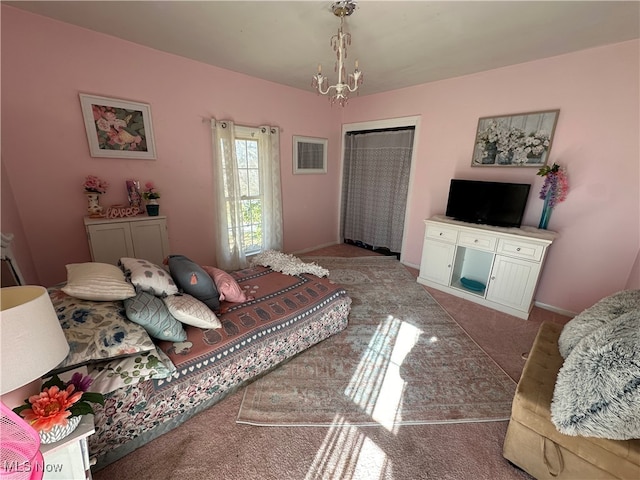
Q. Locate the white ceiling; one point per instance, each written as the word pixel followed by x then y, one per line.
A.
pixel 397 43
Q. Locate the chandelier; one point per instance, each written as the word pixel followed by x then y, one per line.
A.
pixel 341 90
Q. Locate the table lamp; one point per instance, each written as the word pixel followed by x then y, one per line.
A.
pixel 32 342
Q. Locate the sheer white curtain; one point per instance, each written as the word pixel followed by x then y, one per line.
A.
pixel 229 246
pixel 269 152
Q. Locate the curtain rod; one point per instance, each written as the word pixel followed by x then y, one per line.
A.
pixel 394 129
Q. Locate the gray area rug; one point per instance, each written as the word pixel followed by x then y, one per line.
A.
pixel 401 361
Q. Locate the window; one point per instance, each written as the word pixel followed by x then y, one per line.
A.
pixel 247 178
pixel 251 197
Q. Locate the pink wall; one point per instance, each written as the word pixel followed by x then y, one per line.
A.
pixel 45 64
pixel 634 277
pixel 597 139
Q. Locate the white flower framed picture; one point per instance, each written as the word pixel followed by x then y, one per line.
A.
pixel 520 140
pixel 118 128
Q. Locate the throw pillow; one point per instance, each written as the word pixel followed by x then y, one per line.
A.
pixel 113 374
pixel 597 392
pixel 191 311
pixel 227 286
pixel 193 280
pixel 596 316
pixel 148 277
pixel 97 281
pixel 96 331
pixel 151 312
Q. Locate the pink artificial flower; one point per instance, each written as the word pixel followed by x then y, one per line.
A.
pixel 150 191
pixel 50 408
pixel 94 184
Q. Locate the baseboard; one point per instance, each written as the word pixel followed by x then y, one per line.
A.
pixel 412 265
pixel 317 247
pixel 553 309
pixel 331 244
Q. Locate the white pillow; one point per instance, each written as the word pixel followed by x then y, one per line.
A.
pixel 191 311
pixel 97 281
pixel 148 277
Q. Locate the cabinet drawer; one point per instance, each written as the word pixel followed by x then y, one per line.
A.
pixel 441 233
pixel 472 239
pixel 517 248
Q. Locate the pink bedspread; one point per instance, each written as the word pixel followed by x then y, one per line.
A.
pixel 288 315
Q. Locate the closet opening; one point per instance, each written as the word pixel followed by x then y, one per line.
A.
pixel 375 183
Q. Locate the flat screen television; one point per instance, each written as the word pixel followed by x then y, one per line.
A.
pixel 490 203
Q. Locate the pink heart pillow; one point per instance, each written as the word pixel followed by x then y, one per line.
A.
pixel 227 286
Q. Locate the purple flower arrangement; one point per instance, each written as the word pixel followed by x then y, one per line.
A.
pixel 556 185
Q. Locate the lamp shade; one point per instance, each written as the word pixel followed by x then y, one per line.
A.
pixel 32 342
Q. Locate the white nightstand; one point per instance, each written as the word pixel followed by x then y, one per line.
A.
pixel 68 459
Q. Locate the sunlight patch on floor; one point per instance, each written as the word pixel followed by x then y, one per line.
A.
pixel 377 386
pixel 347 453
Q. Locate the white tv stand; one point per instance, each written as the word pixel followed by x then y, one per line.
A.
pixel 500 266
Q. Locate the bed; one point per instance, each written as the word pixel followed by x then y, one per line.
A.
pixel 151 389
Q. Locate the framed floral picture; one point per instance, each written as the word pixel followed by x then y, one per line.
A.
pixel 118 128
pixel 520 140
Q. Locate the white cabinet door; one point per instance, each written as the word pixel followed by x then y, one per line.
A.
pixel 144 238
pixel 65 463
pixel 513 282
pixel 109 242
pixel 437 260
pixel 150 240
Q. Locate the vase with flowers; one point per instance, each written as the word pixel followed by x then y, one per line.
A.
pixel 93 188
pixel 553 191
pixel 151 195
pixel 57 410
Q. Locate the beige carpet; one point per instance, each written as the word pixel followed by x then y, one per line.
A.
pixel 401 361
pixel 212 445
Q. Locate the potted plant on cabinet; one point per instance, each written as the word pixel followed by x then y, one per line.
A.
pixel 151 195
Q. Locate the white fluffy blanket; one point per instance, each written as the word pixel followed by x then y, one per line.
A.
pixel 597 392
pixel 287 264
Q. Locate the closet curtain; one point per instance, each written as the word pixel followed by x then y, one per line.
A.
pixel 230 254
pixel 377 165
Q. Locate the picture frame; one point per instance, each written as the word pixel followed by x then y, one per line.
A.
pixel 133 194
pixel 118 128
pixel 518 140
pixel 309 155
